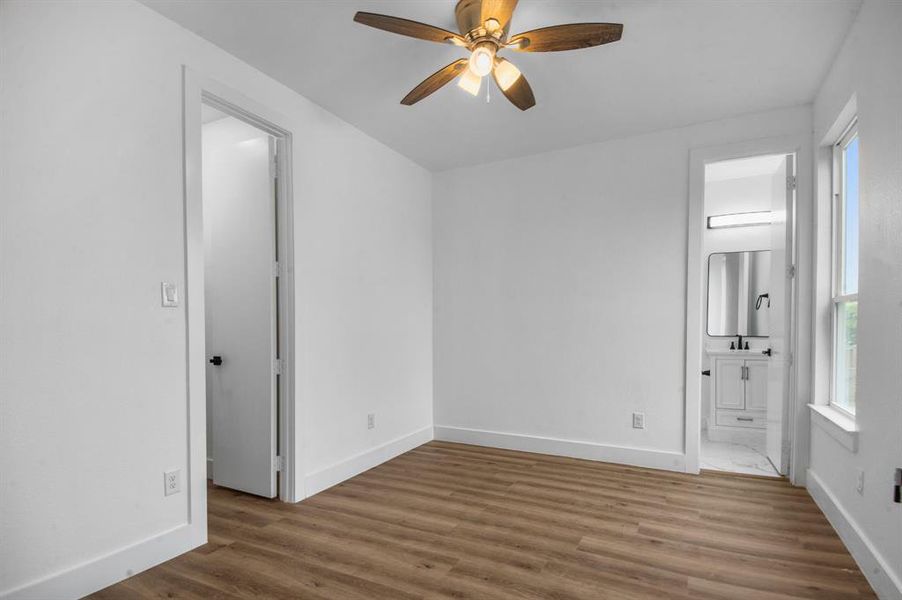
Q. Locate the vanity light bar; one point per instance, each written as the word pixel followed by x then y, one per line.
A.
pixel 748 219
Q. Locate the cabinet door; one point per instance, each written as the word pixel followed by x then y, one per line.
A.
pixel 729 388
pixel 756 385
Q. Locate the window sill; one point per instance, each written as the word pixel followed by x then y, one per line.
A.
pixel 840 427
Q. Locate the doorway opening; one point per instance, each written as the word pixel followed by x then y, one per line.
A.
pixel 246 336
pixel 748 288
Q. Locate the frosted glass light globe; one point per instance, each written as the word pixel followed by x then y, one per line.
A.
pixel 481 61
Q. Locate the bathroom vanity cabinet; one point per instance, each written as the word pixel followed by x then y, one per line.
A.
pixel 738 390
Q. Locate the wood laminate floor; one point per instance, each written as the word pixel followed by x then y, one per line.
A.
pixel 455 521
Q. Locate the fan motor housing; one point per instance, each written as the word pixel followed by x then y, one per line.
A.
pixel 471 21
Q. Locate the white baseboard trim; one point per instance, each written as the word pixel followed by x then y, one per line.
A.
pixel 98 573
pixel 637 457
pixel 332 475
pixel 881 577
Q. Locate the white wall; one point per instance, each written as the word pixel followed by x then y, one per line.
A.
pixel 560 293
pixel 868 68
pixel 746 194
pixel 93 403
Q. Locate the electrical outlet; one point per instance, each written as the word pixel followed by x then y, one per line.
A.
pixel 371 421
pixel 859 481
pixel 172 482
pixel 638 420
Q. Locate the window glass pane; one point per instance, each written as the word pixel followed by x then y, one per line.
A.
pixel 849 279
pixel 846 359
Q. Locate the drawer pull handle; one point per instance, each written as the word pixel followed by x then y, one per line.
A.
pixel 744 419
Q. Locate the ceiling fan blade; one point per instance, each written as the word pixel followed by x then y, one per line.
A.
pixel 413 29
pixel 435 81
pixel 518 92
pixel 566 37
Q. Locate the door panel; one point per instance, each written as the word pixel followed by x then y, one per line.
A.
pixel 779 317
pixel 756 385
pixel 239 232
pixel 728 383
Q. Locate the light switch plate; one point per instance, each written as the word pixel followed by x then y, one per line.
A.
pixel 170 294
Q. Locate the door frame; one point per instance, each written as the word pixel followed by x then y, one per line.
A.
pixel 198 90
pixel 799 327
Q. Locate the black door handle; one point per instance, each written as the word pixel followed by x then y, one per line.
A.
pixel 897 488
pixel 768 352
pixel 216 361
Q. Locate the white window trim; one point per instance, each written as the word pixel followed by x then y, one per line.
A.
pixel 849 133
pixel 838 425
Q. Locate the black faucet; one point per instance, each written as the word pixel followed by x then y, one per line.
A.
pixel 739 345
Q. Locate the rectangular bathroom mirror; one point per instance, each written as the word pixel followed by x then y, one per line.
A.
pixel 737 293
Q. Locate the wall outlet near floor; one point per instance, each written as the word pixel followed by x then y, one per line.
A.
pixel 371 421
pixel 638 420
pixel 172 482
pixel 859 481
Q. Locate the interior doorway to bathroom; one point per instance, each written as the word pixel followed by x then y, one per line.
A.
pixel 748 249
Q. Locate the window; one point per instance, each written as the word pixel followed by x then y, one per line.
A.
pixel 845 271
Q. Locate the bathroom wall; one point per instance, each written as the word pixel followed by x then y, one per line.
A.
pixel 726 196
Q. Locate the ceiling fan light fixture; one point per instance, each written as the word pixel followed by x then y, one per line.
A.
pixel 483 30
pixel 470 82
pixel 506 74
pixel 482 59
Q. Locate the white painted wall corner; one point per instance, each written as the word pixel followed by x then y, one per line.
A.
pixel 885 582
pixel 334 474
pixel 636 457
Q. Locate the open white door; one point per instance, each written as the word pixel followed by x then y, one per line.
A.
pixel 240 289
pixel 779 316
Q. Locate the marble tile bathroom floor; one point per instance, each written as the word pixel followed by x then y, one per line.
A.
pixel 744 454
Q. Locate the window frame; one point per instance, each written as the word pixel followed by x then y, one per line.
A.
pixel 837 298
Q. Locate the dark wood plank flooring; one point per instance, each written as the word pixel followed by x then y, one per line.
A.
pixel 455 521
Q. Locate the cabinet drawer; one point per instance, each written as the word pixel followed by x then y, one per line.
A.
pixel 741 418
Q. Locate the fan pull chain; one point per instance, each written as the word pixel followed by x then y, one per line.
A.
pixel 488 93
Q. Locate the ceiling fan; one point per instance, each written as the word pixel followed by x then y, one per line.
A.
pixel 484 27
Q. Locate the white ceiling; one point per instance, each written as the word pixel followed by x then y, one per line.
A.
pixel 679 62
